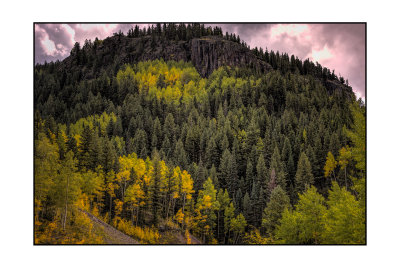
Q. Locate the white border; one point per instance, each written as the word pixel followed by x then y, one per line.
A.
pixel 16 134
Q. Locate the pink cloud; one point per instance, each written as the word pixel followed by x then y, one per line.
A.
pixel 339 47
pixel 321 55
pixel 91 31
pixel 289 29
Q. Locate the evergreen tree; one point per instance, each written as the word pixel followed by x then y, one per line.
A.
pixel 262 174
pixel 278 167
pixel 140 143
pixel 180 155
pixel 224 169
pixel 214 177
pixel 287 159
pixel 249 176
pixel 246 206
pixel 272 214
pixel 224 201
pixel 212 154
pixel 86 148
pixel 304 177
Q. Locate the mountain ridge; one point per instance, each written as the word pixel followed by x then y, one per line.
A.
pixel 207 53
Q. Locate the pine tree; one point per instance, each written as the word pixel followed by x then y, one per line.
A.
pixel 262 173
pixel 278 167
pixel 156 134
pixel 180 155
pixel 214 177
pixel 85 148
pixel 224 201
pixel 140 142
pixel 155 190
pixel 304 177
pixel 200 175
pixel 249 176
pixel 233 180
pixel 344 159
pixel 212 154
pixel 272 214
pixel 287 159
pixel 246 206
pixel 239 200
pixel 224 170
pixel 118 128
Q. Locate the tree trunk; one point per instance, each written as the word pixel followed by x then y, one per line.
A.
pixel 110 207
pixel 169 204
pixel 137 215
pixel 237 238
pixel 218 226
pixel 183 210
pixel 66 204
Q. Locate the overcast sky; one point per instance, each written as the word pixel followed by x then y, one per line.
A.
pixel 339 47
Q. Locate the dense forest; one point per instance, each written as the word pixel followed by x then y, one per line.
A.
pixel 159 150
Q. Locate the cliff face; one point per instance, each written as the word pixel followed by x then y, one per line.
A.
pixel 334 86
pixel 206 53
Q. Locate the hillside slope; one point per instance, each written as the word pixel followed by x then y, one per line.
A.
pixel 162 150
pixel 111 235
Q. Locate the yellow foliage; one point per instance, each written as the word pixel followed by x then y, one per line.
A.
pixel 80 232
pixel 78 141
pixel 118 206
pixel 145 235
pixel 187 184
pixel 95 211
pixel 206 202
pixel 83 202
pixel 344 157
pixel 188 239
pixel 139 168
pixel 147 179
pixel 179 216
pixel 330 165
pixel 135 195
pixel 255 238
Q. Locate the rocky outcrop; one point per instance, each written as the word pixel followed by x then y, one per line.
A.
pixel 206 53
pixel 333 86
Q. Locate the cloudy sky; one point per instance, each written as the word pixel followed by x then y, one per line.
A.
pixel 340 47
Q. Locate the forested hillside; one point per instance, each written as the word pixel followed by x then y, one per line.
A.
pixel 152 135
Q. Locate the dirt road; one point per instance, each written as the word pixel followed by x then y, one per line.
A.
pixel 112 235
